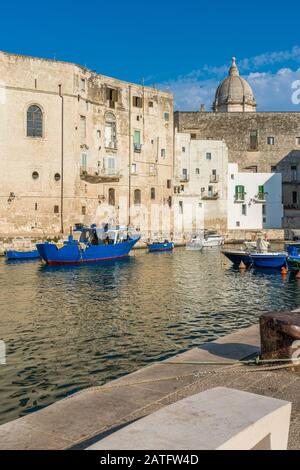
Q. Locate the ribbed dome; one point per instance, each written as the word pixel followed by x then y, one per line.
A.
pixel 234 93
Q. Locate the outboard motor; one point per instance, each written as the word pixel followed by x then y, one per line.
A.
pixel 293 250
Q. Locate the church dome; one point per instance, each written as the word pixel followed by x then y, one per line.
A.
pixel 234 94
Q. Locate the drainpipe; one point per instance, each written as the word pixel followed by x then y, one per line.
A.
pixel 62 162
pixel 129 154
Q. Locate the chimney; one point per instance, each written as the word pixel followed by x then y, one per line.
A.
pixel 202 108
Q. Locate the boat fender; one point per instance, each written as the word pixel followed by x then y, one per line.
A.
pixel 242 265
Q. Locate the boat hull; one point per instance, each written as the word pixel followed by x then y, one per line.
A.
pixel 293 263
pixel 154 247
pixel 271 260
pixel 13 254
pixel 73 253
pixel 237 257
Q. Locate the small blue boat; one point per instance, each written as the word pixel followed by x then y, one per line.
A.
pixel 94 244
pixel 238 256
pixel 160 246
pixel 13 254
pixel 269 260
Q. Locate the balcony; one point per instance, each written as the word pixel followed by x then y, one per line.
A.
pixel 214 178
pixel 210 195
pixel 260 197
pixel 111 144
pixel 137 148
pixel 239 197
pixel 96 175
pixel 184 178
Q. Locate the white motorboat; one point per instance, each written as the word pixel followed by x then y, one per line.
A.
pixel 196 243
pixel 213 239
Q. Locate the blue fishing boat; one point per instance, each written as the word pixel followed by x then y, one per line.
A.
pixel 238 256
pixel 269 259
pixel 14 254
pixel 160 246
pixel 94 244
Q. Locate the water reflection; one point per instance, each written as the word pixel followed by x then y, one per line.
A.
pixel 70 327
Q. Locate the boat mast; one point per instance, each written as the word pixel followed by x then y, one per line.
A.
pixel 129 154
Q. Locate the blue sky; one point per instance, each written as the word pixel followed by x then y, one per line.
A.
pixel 184 47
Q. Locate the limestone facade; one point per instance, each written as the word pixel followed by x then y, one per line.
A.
pixel 77 146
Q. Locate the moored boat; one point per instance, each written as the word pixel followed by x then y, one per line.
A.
pixel 212 239
pixel 238 256
pixel 94 244
pixel 269 259
pixel 15 254
pixel 293 259
pixel 195 244
pixel 160 246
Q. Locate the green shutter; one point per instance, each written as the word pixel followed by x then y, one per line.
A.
pixel 261 189
pixel 239 189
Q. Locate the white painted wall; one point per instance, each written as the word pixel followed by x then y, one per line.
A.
pixel 254 218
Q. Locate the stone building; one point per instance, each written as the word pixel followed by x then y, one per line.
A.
pixel 256 141
pixel 200 184
pixel 77 146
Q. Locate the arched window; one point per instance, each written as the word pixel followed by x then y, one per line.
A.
pixel 137 196
pixel 34 121
pixel 111 197
pixel 152 193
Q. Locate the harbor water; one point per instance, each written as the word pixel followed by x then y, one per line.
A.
pixel 68 328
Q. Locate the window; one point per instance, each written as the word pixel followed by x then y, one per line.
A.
pixel 133 168
pixel 294 197
pixel 244 209
pixel 35 206
pixel 166 116
pixel 111 165
pixel 180 207
pixel 240 193
pixel 193 136
pixel 169 182
pixel 237 223
pixel 83 127
pixel 252 168
pixel 264 209
pixel 183 149
pixel 294 173
pixel 197 171
pixel 208 156
pixel 84 161
pixel 34 121
pixel 270 140
pixel 137 101
pixel 111 96
pixel 98 133
pixel 150 104
pixel 111 197
pixel 137 141
pixel 137 197
pixel 56 209
pixel 163 153
pixel 35 175
pixel 232 176
pixel 82 84
pixel 110 131
pixel 210 191
pixel 273 168
pixel 297 140
pixel 152 193
pixel 253 140
pixel 83 210
pixel 57 176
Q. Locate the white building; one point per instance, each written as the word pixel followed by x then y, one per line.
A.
pixel 200 184
pixel 254 200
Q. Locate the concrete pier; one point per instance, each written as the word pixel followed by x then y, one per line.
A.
pixel 83 418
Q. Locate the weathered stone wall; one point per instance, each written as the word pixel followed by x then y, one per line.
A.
pixel 27 204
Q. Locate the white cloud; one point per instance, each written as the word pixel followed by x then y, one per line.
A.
pixel 272 89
